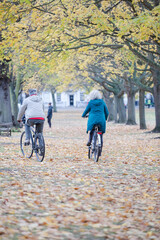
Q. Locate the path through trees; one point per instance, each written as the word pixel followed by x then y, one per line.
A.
pixel 70 197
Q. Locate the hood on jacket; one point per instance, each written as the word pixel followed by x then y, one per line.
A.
pixel 32 91
pixel 35 98
pixel 96 102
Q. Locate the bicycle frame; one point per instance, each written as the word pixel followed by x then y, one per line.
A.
pixel 95 147
pixel 33 136
pixel 35 143
pixel 99 133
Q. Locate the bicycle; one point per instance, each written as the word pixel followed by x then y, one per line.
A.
pixel 96 144
pixel 36 145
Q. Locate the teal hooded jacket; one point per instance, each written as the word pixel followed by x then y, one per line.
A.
pixel 98 114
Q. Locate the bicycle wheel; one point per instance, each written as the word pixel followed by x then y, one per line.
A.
pixel 39 147
pixel 97 151
pixel 27 150
pixel 89 152
pixel 91 148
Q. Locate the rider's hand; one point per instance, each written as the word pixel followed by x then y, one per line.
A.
pixel 19 121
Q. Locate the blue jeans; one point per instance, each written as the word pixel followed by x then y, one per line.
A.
pixel 30 122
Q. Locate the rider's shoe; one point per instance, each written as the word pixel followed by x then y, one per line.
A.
pixel 41 151
pixel 26 142
pixel 90 139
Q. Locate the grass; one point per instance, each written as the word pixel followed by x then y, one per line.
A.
pixel 149 115
pixel 1 149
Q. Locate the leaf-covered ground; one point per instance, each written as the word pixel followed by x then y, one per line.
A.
pixel 70 197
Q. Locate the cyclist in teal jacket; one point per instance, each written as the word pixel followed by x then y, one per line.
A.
pixel 98 114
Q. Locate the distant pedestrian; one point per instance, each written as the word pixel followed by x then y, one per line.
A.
pixel 149 103
pixel 49 115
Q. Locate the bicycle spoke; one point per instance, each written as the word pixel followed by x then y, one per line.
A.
pixel 40 148
pixel 89 152
pixel 97 149
pixel 27 150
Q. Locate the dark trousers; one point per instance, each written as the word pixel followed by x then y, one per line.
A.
pixel 39 126
pixel 49 122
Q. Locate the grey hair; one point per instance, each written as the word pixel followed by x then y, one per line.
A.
pixel 95 94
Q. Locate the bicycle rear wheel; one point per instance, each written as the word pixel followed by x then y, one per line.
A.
pixel 97 151
pixel 27 150
pixel 39 147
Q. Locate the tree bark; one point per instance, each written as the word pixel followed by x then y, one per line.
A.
pixel 110 104
pixel 5 106
pixel 142 119
pixel 18 85
pixel 14 105
pixel 121 110
pixel 131 109
pixel 54 101
pixel 5 103
pixel 156 89
pixel 115 108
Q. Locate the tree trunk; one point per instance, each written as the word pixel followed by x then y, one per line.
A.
pixel 18 85
pixel 121 110
pixel 131 109
pixel 14 104
pixel 5 104
pixel 142 119
pixel 54 100
pixel 110 104
pixel 156 88
pixel 115 108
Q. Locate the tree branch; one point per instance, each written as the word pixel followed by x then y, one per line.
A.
pixel 142 57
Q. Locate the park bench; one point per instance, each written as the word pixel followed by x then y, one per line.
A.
pixel 5 129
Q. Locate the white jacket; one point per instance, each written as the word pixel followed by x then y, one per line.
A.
pixel 32 107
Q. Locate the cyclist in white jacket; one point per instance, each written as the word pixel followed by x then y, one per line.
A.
pixel 33 109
